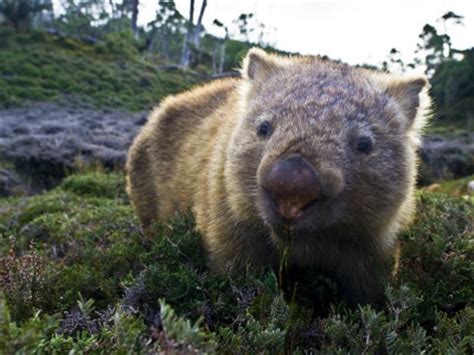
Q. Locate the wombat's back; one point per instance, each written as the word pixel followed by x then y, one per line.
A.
pixel 170 153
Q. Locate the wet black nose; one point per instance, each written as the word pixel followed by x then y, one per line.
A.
pixel 293 184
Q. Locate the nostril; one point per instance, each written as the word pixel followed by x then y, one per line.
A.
pixel 293 184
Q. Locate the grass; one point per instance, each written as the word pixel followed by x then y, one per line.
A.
pixel 40 67
pixel 78 274
pixel 457 188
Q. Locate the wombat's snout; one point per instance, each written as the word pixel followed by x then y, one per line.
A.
pixel 293 184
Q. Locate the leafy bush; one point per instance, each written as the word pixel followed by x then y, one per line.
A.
pixel 96 184
pixel 19 13
pixel 22 279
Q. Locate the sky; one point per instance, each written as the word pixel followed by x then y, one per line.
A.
pixel 360 31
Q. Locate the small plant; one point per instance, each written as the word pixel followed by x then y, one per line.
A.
pixel 22 278
pixel 181 334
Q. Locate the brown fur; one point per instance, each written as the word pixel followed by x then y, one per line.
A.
pixel 200 150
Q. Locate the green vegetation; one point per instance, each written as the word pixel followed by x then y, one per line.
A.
pixel 20 13
pixel 457 187
pixel 78 273
pixel 450 70
pixel 453 89
pixel 37 66
pixel 449 129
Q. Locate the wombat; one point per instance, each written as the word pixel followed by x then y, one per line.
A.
pixel 303 159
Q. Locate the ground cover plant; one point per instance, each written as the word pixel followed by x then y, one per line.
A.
pixel 78 273
pixel 37 66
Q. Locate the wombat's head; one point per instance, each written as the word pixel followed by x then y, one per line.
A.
pixel 323 145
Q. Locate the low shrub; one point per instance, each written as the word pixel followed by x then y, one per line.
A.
pixel 104 285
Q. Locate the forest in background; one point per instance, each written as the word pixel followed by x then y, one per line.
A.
pixel 77 273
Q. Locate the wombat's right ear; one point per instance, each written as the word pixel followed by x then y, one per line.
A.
pixel 258 65
pixel 407 93
pixel 411 94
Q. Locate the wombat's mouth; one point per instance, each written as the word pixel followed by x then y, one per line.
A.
pixel 316 215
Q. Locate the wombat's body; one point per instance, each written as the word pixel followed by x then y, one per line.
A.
pixel 303 157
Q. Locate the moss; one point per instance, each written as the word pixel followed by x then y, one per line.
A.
pixel 102 280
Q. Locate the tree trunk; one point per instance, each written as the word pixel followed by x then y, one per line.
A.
pixel 196 34
pixel 165 45
pixel 186 52
pixel 221 63
pixel 112 9
pixel 150 40
pixel 214 58
pixel 134 18
pixel 196 37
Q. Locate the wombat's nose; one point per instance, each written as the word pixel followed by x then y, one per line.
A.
pixel 293 184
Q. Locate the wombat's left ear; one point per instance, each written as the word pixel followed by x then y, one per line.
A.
pixel 411 95
pixel 258 65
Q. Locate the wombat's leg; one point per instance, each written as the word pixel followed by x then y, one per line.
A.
pixel 140 182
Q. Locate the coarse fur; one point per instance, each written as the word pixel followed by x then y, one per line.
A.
pixel 201 150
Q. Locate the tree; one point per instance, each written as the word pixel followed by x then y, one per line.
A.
pixel 218 55
pixel 113 9
pixel 193 35
pixel 453 87
pixel 199 28
pixel 395 60
pixel 244 25
pixel 451 71
pixel 447 18
pixel 451 17
pixel 248 27
pixel 134 4
pixel 82 18
pixel 20 13
pixel 434 46
pixel 128 9
pixel 45 16
pixel 166 31
pixel 186 54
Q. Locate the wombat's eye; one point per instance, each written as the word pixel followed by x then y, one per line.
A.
pixel 365 145
pixel 264 129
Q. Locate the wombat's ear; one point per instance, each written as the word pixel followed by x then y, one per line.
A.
pixel 258 65
pixel 410 95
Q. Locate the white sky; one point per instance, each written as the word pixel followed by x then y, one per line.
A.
pixel 358 31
